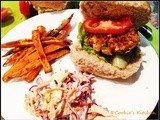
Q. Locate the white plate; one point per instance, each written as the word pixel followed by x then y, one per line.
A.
pixel 135 99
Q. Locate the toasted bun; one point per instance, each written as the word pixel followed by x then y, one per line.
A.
pixel 139 11
pixel 47 6
pixel 92 64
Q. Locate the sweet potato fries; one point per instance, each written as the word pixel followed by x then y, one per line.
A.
pixel 28 56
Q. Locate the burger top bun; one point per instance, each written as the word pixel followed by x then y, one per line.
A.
pixel 46 6
pixel 139 11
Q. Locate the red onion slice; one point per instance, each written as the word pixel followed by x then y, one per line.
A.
pixel 39 81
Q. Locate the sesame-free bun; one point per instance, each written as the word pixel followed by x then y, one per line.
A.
pixel 139 11
pixel 92 64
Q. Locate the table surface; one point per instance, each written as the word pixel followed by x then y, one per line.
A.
pixel 15 17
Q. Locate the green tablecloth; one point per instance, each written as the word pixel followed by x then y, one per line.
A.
pixel 16 17
pixel 154 40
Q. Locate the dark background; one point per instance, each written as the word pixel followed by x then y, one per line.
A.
pixel 155 114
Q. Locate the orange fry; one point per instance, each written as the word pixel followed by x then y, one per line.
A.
pixel 18 43
pixel 62 25
pixel 29 42
pixel 13 50
pixel 31 75
pixel 66 41
pixel 41 29
pixel 14 57
pixel 19 55
pixel 27 52
pixel 50 38
pixel 38 45
pixel 58 53
pixel 64 32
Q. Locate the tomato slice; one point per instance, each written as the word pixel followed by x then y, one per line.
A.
pixel 4 13
pixel 24 8
pixel 94 25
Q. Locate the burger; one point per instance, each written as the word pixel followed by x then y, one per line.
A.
pixel 49 6
pixel 108 39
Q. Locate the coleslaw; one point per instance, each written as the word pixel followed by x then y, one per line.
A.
pixel 66 97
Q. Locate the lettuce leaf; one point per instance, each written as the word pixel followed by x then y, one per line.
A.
pixel 81 34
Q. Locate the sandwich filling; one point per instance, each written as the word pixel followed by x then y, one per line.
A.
pixel 113 41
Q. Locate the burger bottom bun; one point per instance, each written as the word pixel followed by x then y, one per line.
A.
pixel 92 64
